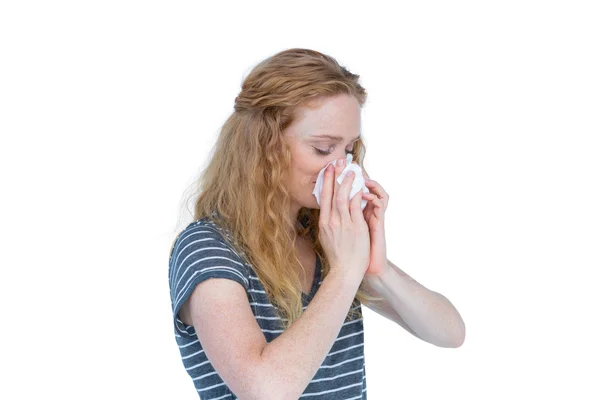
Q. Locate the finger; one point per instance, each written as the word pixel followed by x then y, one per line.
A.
pixel 369 196
pixel 342 198
pixel 368 210
pixel 326 196
pixel 378 207
pixel 373 198
pixel 373 186
pixel 335 208
pixel 356 214
pixel 376 188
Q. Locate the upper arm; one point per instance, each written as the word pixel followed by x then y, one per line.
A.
pixel 229 334
pixel 209 287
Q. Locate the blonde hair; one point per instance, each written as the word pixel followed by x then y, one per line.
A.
pixel 242 188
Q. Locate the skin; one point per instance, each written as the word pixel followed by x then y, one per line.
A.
pixel 406 302
pixel 337 116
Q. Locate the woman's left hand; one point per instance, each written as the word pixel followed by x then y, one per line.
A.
pixel 374 214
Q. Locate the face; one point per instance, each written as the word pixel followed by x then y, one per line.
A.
pixel 337 116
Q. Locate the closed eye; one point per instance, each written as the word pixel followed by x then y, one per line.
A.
pixel 326 153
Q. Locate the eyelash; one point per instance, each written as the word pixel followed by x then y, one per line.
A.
pixel 326 153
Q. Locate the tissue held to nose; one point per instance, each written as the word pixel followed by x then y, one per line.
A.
pixel 357 184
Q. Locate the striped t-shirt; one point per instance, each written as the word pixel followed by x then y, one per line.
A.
pixel 200 252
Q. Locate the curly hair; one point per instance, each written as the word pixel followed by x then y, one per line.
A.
pixel 242 188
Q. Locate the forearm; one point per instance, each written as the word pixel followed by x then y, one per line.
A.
pixel 290 361
pixel 429 314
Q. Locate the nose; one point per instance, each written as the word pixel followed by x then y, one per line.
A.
pixel 333 161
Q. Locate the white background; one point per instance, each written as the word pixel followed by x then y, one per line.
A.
pixel 482 123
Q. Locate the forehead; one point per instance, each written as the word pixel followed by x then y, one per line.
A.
pixel 338 117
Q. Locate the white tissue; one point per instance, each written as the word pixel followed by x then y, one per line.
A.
pixel 357 184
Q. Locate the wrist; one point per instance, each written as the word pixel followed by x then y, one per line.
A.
pixel 346 276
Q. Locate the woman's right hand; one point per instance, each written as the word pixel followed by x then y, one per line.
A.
pixel 343 231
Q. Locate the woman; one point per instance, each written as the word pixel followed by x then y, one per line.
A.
pixel 282 315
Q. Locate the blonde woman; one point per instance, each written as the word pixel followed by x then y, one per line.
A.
pixel 266 284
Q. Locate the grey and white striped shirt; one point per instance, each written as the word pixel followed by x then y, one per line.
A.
pixel 201 252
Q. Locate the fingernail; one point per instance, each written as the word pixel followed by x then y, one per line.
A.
pixel 341 162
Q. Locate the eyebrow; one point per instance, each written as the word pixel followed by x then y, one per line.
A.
pixel 336 139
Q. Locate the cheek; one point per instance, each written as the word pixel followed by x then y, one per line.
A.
pixel 306 168
pixel 307 172
pixel 301 176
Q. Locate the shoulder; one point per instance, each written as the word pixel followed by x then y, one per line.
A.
pixel 201 252
pixel 199 233
pixel 201 244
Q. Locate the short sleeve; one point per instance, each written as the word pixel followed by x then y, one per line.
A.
pixel 200 253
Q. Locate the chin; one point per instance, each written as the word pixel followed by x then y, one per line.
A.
pixel 310 204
